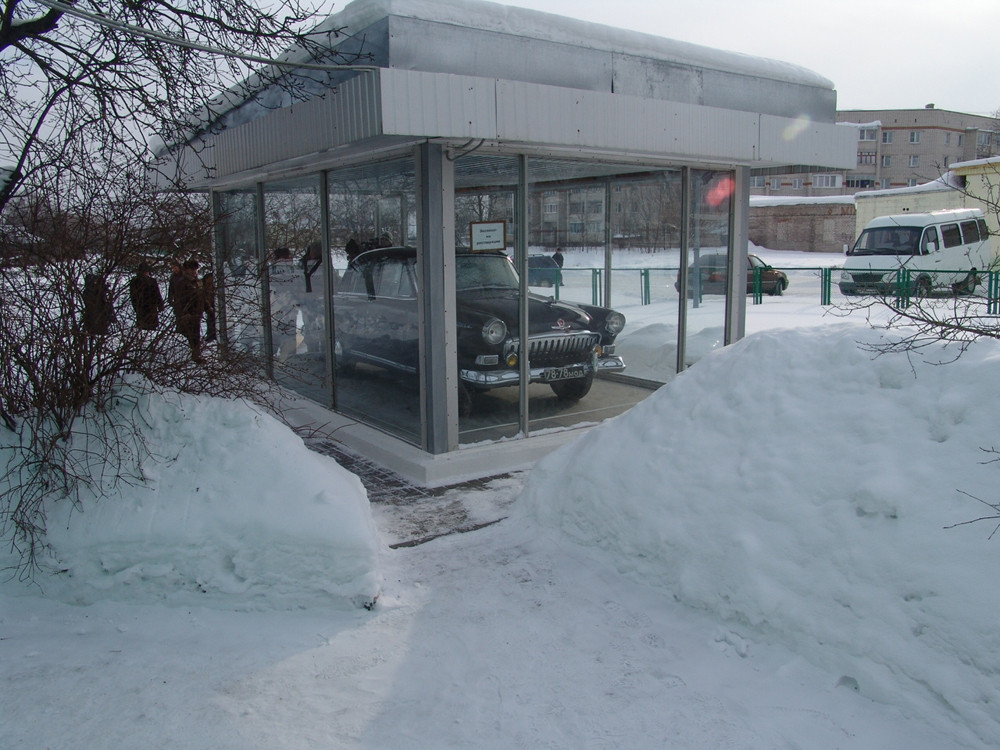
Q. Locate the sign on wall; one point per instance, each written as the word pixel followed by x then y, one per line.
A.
pixel 487 235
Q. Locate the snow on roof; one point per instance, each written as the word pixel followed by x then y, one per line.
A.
pixel 757 201
pixel 993 160
pixel 947 181
pixel 860 125
pixel 489 16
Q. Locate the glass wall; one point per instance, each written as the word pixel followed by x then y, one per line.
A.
pixel 375 300
pixel 293 260
pixel 645 218
pixel 487 292
pixel 597 238
pixel 708 261
pixel 602 247
pixel 238 271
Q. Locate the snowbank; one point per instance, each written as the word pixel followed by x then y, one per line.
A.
pixel 234 512
pixel 800 490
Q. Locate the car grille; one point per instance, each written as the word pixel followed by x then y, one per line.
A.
pixel 560 348
pixel 866 278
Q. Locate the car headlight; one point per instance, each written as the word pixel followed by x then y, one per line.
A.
pixel 494 331
pixel 846 276
pixel 614 323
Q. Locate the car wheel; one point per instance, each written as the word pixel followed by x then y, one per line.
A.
pixel 778 289
pixel 923 287
pixel 572 390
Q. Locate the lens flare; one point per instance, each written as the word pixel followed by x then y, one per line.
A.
pixel 797 127
pixel 720 192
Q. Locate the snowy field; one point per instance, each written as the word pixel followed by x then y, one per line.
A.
pixel 763 554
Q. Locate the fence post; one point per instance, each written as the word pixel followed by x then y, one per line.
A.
pixel 644 290
pixel 826 286
pixel 993 294
pixel 758 288
pixel 595 282
pixel 903 287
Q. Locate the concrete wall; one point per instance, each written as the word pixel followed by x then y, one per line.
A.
pixel 889 202
pixel 809 226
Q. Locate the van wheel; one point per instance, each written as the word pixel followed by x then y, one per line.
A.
pixel 968 284
pixel 923 287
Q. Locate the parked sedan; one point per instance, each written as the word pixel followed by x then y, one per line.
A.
pixel 543 271
pixel 376 323
pixel 712 270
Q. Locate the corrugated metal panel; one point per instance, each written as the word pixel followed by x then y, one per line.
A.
pixel 438 105
pixel 594 120
pixel 787 141
pixel 348 113
pixel 417 104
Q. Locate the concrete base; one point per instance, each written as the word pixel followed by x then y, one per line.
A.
pixel 412 464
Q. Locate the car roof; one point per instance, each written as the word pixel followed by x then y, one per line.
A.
pixel 904 221
pixel 406 251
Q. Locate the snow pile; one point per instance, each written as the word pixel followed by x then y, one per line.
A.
pixel 800 489
pixel 234 512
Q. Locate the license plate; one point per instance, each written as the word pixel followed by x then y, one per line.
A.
pixel 563 373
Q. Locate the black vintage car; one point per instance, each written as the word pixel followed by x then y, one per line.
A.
pixel 376 322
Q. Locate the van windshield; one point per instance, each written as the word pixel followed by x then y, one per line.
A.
pixel 888 241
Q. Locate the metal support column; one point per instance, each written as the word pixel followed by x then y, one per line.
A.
pixel 683 267
pixel 739 238
pixel 436 283
pixel 521 261
pixel 265 282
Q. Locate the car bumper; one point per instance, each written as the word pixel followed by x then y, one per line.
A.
pixel 487 379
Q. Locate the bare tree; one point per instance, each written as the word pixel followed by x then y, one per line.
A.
pixel 80 77
pixel 86 86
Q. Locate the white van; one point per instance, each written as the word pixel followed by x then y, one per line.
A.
pixel 940 250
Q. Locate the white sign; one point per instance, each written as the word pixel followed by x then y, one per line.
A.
pixel 487 235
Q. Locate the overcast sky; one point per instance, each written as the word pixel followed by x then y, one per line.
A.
pixel 880 54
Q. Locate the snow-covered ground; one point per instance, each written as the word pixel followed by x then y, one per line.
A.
pixel 760 555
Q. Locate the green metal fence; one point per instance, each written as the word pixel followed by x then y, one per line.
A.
pixel 902 292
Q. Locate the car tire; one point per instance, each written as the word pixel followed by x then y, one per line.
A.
pixel 572 390
pixel 922 287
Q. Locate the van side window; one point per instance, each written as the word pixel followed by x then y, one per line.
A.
pixel 984 231
pixel 951 235
pixel 929 244
pixel 970 232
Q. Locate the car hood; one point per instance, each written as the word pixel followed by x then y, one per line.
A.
pixel 545 313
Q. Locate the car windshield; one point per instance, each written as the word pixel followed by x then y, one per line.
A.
pixel 484 272
pixel 888 241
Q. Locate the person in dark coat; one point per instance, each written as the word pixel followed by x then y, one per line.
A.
pixel 189 306
pixel 175 276
pixel 353 249
pixel 557 256
pixel 98 312
pixel 208 291
pixel 146 298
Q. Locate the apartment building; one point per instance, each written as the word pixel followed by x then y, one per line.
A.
pixel 896 148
